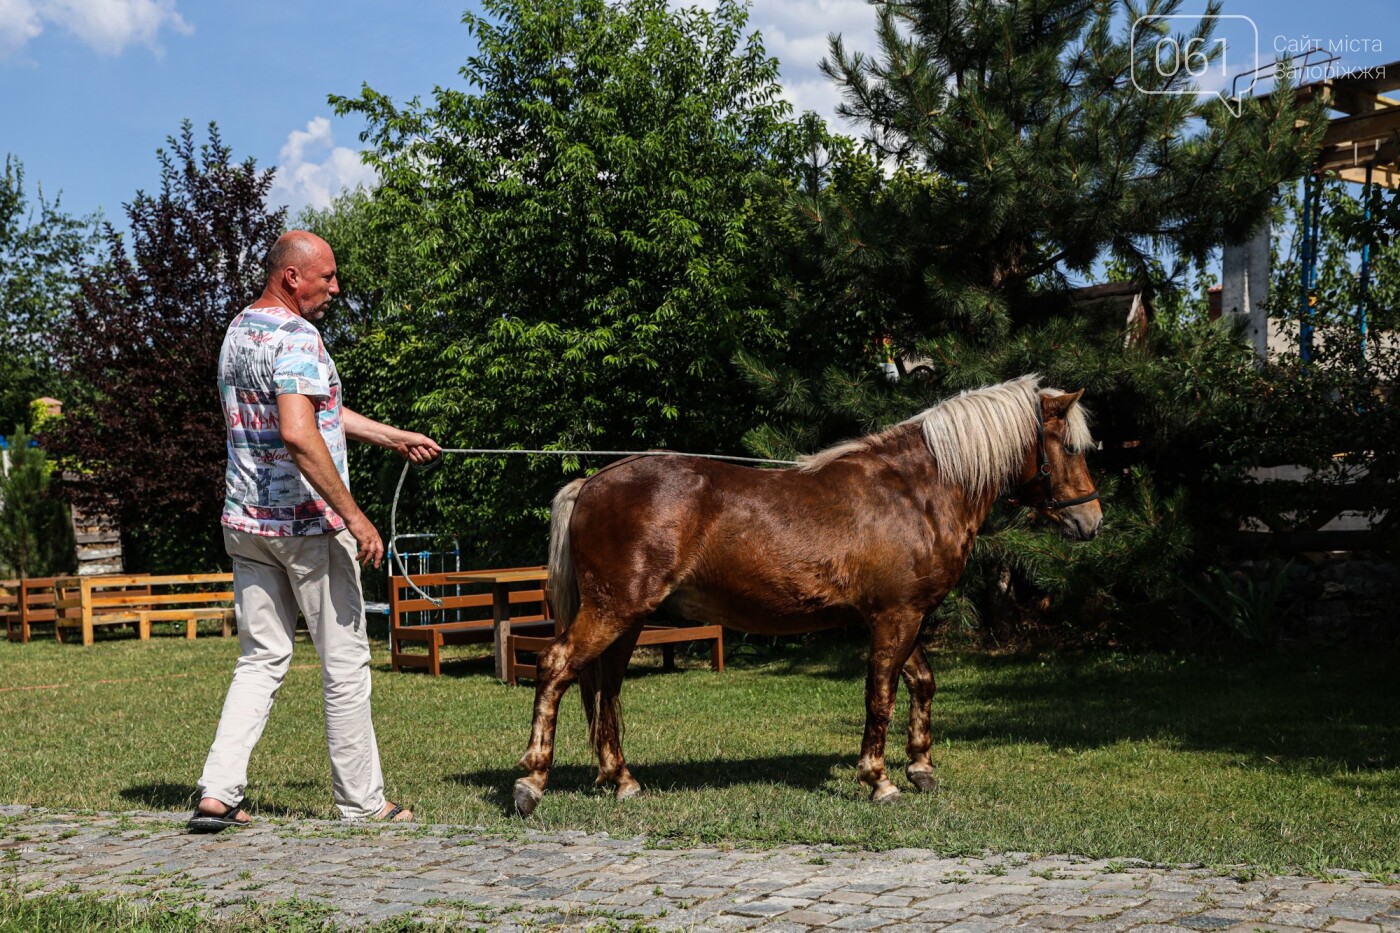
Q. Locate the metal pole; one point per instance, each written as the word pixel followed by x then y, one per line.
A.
pixel 1365 259
pixel 1305 261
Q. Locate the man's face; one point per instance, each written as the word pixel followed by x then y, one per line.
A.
pixel 316 284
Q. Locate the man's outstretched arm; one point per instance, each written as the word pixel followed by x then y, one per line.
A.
pixel 416 447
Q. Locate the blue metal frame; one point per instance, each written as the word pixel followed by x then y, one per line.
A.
pixel 444 560
pixel 1308 257
pixel 1365 297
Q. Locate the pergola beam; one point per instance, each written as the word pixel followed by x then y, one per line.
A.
pixel 1369 137
pixel 1353 143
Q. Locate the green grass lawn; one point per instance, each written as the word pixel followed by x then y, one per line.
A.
pixel 91 913
pixel 1283 762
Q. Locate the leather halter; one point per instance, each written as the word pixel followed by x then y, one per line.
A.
pixel 1048 501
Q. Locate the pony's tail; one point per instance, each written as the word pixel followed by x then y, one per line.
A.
pixel 562 583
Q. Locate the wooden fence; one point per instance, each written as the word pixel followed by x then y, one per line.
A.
pixel 1287 511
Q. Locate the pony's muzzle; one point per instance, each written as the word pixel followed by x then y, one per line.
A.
pixel 1081 522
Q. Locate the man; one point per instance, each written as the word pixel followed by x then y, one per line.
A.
pixel 295 533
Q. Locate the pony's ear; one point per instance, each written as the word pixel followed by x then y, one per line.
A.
pixel 1058 405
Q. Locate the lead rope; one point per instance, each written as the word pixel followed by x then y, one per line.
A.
pixel 394 509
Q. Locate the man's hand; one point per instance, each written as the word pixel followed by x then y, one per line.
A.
pixel 367 537
pixel 411 445
pixel 418 448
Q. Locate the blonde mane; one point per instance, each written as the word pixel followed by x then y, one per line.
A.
pixel 979 437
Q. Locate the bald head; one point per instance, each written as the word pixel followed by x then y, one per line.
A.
pixel 301 274
pixel 293 248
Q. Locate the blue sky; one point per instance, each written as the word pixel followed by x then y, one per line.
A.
pixel 93 87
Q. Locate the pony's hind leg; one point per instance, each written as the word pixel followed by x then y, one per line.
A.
pixel 892 637
pixel 600 685
pixel 558 666
pixel 919 679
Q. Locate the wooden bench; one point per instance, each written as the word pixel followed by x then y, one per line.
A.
pixel 667 636
pixel 141 599
pixel 511 643
pixel 465 617
pixel 30 601
pixel 515 621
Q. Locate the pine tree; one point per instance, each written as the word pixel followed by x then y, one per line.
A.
pixel 1053 157
pixel 36 536
pixel 1020 155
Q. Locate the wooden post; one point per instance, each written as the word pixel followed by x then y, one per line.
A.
pixel 435 653
pixel 22 592
pixel 395 646
pixel 86 600
pixel 500 614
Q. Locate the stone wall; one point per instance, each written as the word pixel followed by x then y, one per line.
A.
pixel 1335 596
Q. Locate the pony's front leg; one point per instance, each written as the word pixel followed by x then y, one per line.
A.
pixel 556 669
pixel 550 684
pixel 892 637
pixel 919 679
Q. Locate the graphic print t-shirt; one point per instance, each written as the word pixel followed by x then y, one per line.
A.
pixel 269 352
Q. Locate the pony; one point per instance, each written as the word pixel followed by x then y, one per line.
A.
pixel 876 529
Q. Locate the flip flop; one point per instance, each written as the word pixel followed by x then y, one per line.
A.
pixel 391 816
pixel 207 823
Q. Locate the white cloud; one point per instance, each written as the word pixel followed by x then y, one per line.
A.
pixel 19 22
pixel 301 183
pixel 796 32
pixel 819 94
pixel 107 26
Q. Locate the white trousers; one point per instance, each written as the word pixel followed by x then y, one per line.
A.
pixel 272 579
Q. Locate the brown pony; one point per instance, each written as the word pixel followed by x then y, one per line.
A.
pixel 877 529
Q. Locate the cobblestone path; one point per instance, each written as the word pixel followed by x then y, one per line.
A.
pixel 575 881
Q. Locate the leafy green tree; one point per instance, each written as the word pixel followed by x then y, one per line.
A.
pixel 36 534
pixel 1344 232
pixel 583 248
pixel 147 439
pixel 368 257
pixel 41 247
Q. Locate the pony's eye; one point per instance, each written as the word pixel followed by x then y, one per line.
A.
pixel 1072 450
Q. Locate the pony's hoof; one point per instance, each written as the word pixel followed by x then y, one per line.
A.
pixel 526 798
pixel 924 782
pixel 885 793
pixel 628 791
